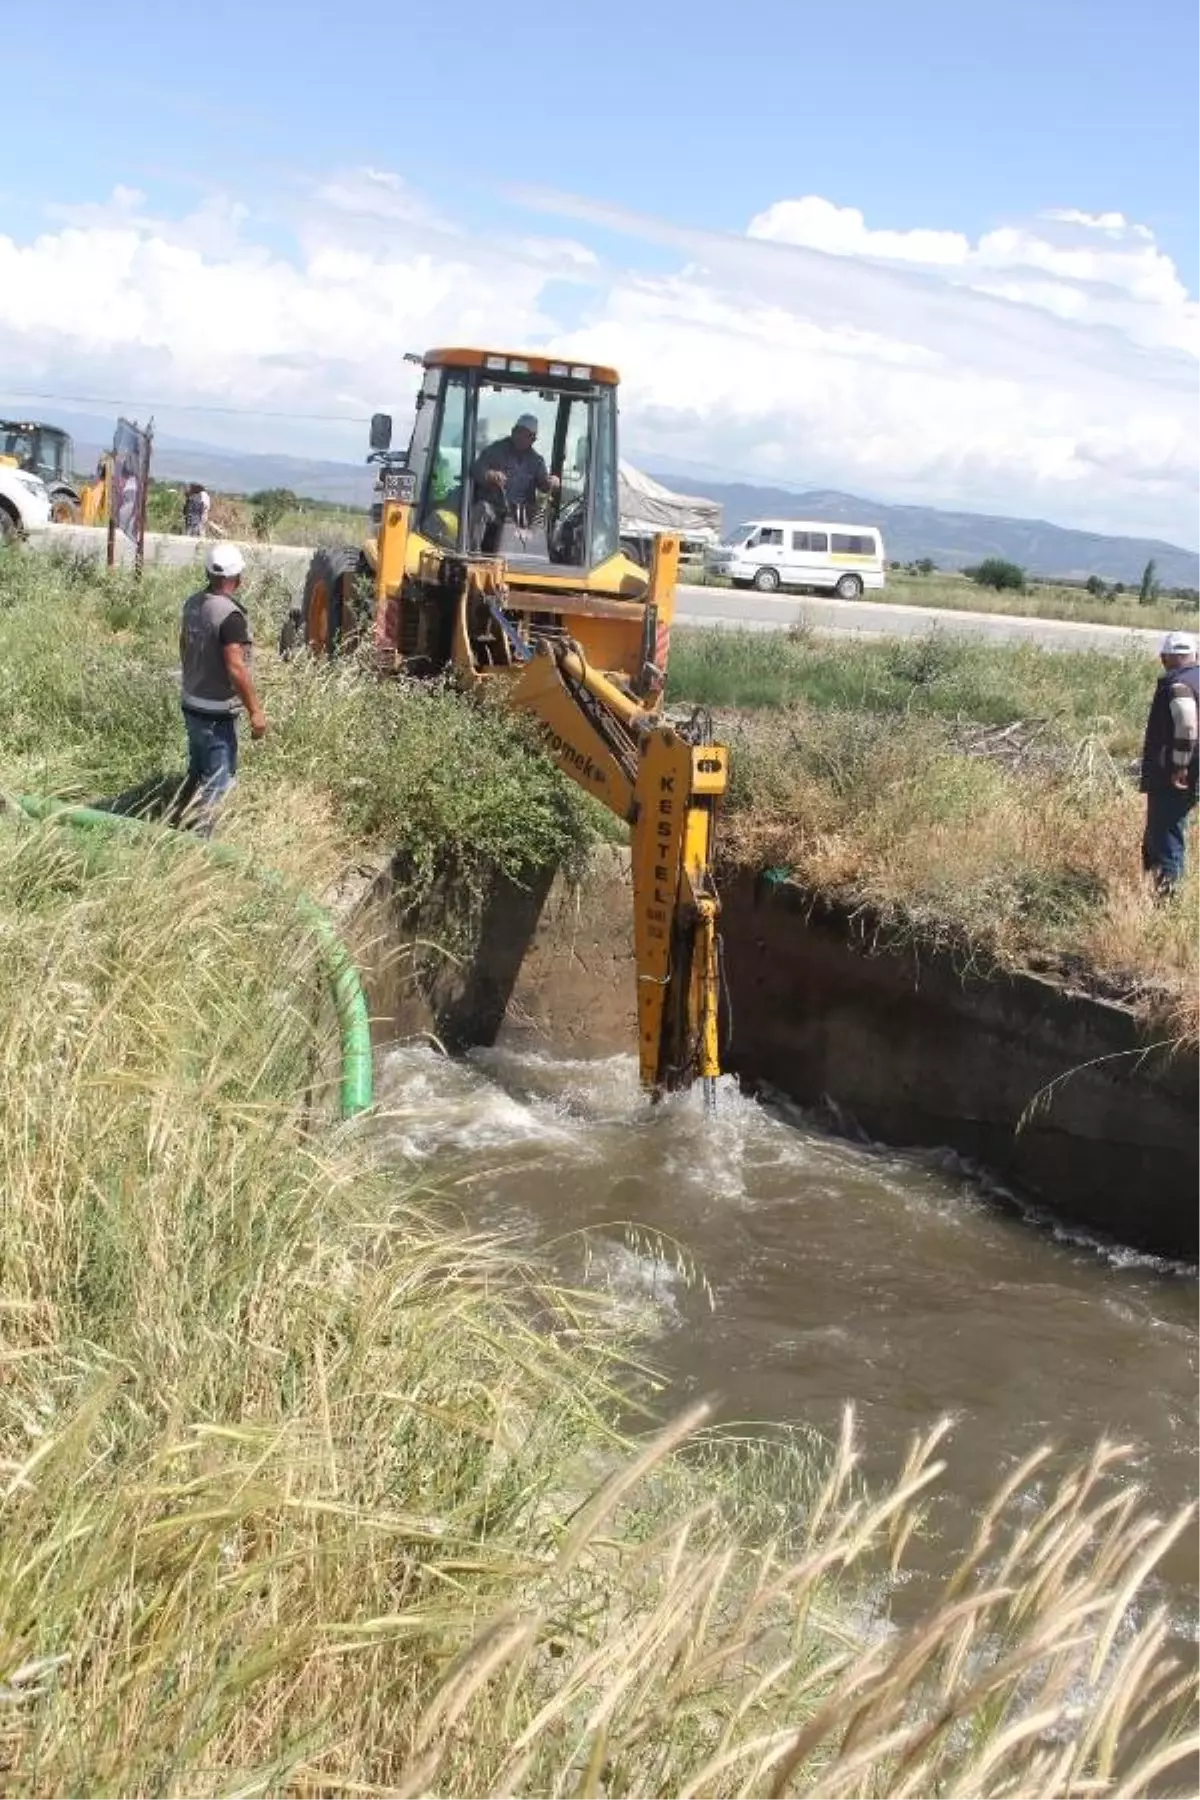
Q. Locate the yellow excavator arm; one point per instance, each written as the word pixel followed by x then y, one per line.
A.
pixel 666 782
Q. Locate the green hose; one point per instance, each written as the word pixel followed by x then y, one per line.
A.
pixel 357 1090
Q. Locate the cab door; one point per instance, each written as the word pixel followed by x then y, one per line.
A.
pixel 765 549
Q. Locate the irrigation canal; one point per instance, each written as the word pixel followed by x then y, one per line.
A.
pixel 822 1270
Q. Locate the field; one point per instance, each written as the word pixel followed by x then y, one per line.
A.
pixel 976 794
pixel 1041 600
pixel 309 1488
pixel 233 516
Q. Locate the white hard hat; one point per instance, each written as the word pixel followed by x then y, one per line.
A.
pixel 526 422
pixel 1178 643
pixel 225 560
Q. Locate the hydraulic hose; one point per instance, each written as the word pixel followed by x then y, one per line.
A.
pixel 345 984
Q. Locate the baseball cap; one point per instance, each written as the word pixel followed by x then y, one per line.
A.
pixel 526 422
pixel 225 560
pixel 1178 643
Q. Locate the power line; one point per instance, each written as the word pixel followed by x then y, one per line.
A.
pixel 248 412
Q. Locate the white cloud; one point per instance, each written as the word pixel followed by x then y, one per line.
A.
pixel 1044 368
pixel 820 225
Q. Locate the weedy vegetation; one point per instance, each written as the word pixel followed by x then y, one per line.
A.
pixel 308 1487
pixel 976 795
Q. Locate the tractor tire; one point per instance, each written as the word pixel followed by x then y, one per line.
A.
pixel 767 581
pixel 64 509
pixel 849 587
pixel 328 621
pixel 10 525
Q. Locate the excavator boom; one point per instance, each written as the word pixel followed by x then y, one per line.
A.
pixel 666 782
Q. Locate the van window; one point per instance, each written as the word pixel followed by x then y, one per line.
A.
pixel 847 545
pixel 810 540
pixel 770 534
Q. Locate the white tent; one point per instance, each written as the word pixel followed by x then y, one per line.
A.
pixel 647 507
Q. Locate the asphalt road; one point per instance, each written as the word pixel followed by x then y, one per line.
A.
pixel 729 608
pixel 721 608
pixel 177 552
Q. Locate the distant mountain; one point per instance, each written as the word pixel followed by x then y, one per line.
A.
pixel 953 539
pixel 956 539
pixel 224 471
pixel 240 472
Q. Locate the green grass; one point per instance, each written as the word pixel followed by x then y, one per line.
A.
pixel 88 666
pixel 1086 693
pixel 1041 600
pixel 310 1488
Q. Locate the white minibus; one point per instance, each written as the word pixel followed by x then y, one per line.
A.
pixel 770 554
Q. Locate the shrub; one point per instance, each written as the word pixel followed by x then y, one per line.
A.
pixel 268 507
pixel 996 572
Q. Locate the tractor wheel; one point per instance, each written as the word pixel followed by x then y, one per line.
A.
pixel 327 610
pixel 767 581
pixel 849 587
pixel 10 525
pixel 64 509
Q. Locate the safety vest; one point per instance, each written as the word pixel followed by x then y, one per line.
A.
pixel 1160 732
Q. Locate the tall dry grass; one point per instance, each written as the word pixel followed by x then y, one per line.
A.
pixel 308 1488
pixel 849 767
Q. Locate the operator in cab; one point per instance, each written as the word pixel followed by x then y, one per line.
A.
pixel 505 479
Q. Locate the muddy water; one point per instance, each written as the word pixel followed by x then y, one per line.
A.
pixel 801 1270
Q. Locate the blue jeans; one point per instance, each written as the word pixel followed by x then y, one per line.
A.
pixel 212 764
pixel 1164 846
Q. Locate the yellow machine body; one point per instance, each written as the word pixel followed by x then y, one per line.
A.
pixel 575 634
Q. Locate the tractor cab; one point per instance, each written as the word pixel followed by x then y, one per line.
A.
pixel 513 456
pixel 42 450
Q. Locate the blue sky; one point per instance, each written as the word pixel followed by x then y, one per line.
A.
pixel 657 138
pixel 956 112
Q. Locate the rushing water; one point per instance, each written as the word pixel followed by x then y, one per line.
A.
pixel 817 1270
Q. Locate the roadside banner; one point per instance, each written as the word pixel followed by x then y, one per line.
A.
pixel 130 487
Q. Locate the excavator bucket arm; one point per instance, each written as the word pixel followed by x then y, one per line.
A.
pixel 675 907
pixel 666 782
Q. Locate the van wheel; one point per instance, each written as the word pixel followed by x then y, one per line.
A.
pixel 849 587
pixel 767 581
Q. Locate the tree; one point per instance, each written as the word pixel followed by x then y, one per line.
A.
pixel 1118 587
pixel 926 566
pixel 1148 592
pixel 269 506
pixel 1096 586
pixel 996 572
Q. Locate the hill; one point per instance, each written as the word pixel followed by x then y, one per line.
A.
pixel 956 539
pixel 952 539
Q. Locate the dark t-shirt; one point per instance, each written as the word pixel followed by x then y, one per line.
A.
pixel 234 629
pixel 524 470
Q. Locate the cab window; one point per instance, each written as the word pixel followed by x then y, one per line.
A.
pixel 442 510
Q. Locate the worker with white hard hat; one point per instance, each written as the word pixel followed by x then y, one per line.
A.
pixel 1170 763
pixel 215 648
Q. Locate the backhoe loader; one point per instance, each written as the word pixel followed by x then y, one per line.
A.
pixel 518 585
pixel 48 451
